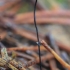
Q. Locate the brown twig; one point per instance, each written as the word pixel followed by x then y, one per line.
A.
pixel 63 46
pixel 25 48
pixel 45 20
pixel 55 55
pixel 8 5
pixel 40 14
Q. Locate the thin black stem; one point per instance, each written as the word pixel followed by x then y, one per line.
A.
pixel 37 33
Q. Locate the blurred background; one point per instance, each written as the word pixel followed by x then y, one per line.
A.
pixel 17 31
